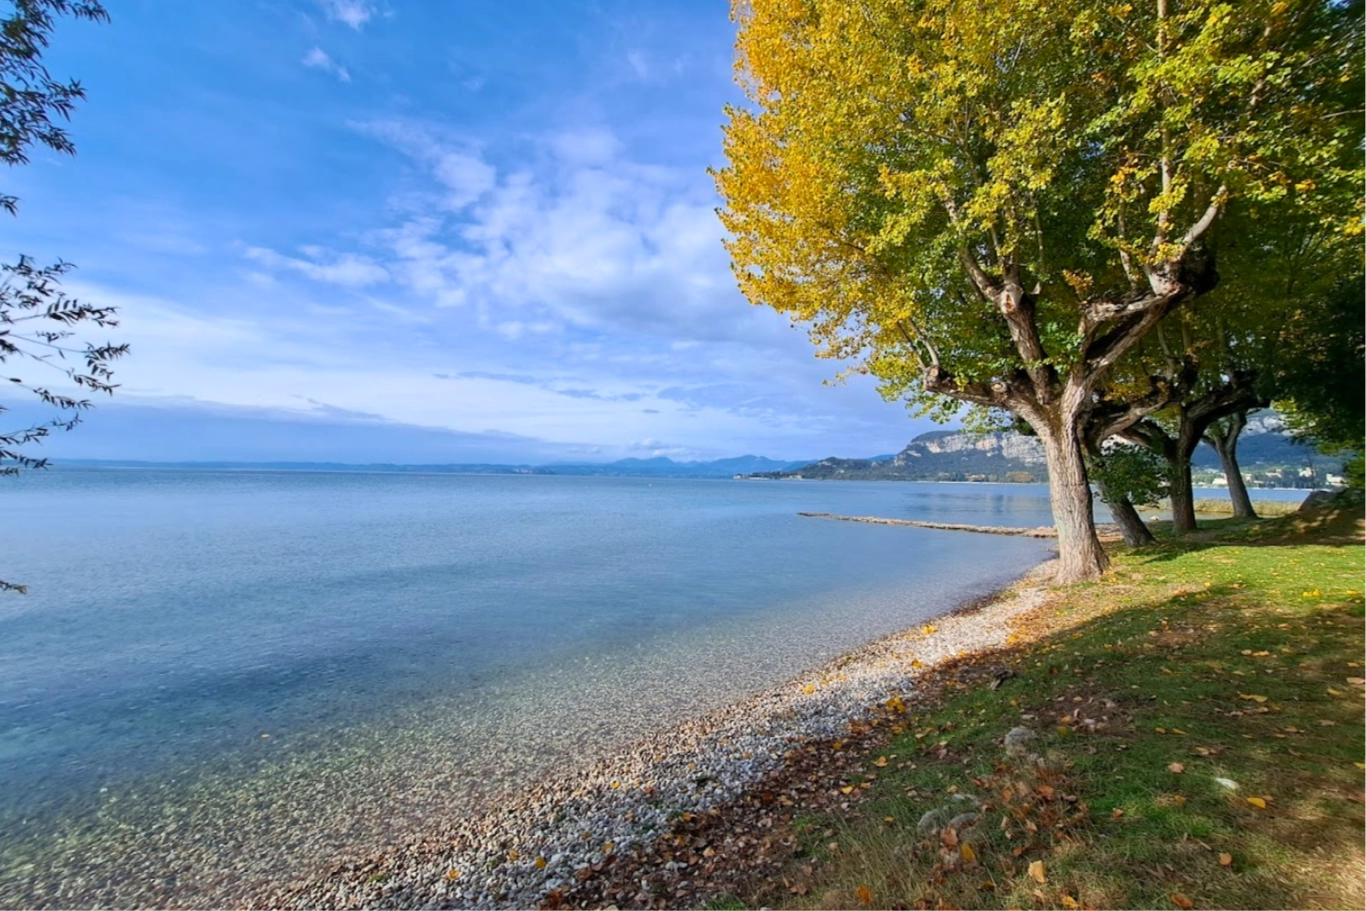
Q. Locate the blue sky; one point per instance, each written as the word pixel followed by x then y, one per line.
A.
pixel 375 230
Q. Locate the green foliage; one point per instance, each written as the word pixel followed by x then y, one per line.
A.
pixel 1133 473
pixel 1321 379
pixel 36 316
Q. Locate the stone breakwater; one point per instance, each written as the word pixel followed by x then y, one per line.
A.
pixel 1043 531
pixel 541 838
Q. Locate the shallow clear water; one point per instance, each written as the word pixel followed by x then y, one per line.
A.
pixel 207 658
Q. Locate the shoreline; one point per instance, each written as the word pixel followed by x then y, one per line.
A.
pixel 556 834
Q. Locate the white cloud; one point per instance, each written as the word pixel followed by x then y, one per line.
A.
pixel 347 269
pixel 352 13
pixel 579 235
pixel 318 59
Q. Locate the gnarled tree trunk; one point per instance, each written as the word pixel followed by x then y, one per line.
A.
pixel 1223 436
pixel 1080 555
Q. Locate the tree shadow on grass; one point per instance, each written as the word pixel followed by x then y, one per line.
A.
pixel 1329 526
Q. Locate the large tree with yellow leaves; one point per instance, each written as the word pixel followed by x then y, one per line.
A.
pixel 993 201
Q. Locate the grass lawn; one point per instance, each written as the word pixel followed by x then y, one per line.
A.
pixel 1199 743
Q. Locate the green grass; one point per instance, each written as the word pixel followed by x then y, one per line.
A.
pixel 1228 655
pixel 1267 509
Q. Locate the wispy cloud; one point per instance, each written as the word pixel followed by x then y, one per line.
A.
pixel 318 59
pixel 347 269
pixel 352 13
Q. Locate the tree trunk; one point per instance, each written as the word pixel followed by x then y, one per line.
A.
pixel 1224 438
pixel 1182 492
pixel 1131 525
pixel 1080 555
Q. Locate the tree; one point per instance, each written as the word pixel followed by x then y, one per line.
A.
pixel 1127 475
pixel 36 316
pixel 1320 385
pixel 994 202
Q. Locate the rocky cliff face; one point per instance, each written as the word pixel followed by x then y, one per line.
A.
pixel 1010 446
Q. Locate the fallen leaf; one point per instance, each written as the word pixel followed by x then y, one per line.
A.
pixel 1182 902
pixel 847 790
pixel 969 855
pixel 949 837
pixel 540 863
pixel 1225 860
pixel 1257 802
pixel 1069 902
pixel 915 662
pixel 1360 765
pixel 1357 681
pixel 1252 697
pixel 881 762
pixel 889 819
pixel 452 874
pixel 1036 872
pixel 1176 768
pixel 1116 813
pixel 927 630
pixel 607 848
pixel 865 896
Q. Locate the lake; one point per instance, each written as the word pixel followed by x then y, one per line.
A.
pixel 227 677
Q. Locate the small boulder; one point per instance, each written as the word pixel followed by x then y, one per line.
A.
pixel 1018 740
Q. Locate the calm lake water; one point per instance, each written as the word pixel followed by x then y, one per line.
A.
pixel 218 675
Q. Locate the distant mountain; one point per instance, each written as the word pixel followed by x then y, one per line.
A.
pixel 658 467
pixel 1265 453
pixel 940 455
pixel 663 467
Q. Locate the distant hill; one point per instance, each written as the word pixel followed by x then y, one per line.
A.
pixel 1265 452
pixel 658 467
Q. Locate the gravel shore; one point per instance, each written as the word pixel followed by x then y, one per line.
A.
pixel 547 837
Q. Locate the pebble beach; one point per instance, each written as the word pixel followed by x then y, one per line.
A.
pixel 548 836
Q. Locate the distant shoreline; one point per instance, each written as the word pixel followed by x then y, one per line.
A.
pixel 544 471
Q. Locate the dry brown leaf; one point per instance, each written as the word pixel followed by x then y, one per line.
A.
pixel 1176 768
pixel 1225 860
pixel 864 895
pixel 1182 902
pixel 1037 872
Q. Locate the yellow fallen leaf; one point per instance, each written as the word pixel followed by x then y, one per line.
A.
pixel 1160 730
pixel 848 789
pixel 1069 902
pixel 1257 802
pixel 607 848
pixel 540 863
pixel 1360 765
pixel 969 855
pixel 513 855
pixel 1252 697
pixel 1333 692
pixel 889 819
pixel 1178 732
pixel 880 762
pixel 1036 872
pixel 927 630
pixel 809 688
pixel 453 874
pixel 1226 860
pixel 915 662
